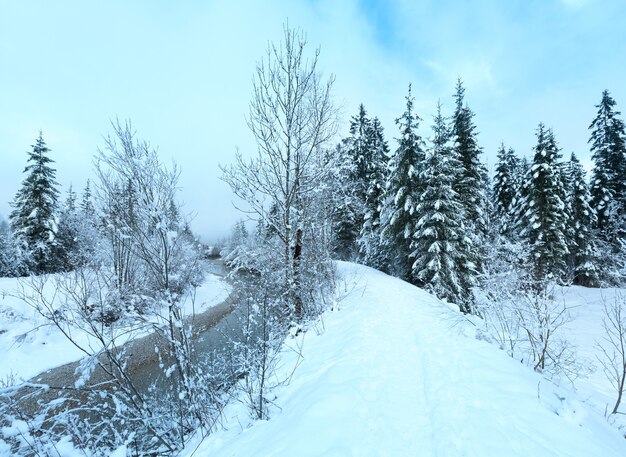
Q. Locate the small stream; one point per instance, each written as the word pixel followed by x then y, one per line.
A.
pixel 212 329
pixel 214 332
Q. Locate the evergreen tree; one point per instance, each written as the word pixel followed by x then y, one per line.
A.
pixel 66 247
pixel 439 246
pixel 86 204
pixel 608 148
pixel 11 262
pixel 33 219
pixel 371 249
pixel 544 217
pixel 403 190
pixel 582 251
pixel 355 162
pixel 360 152
pixel 472 185
pixel 505 188
pixel 238 245
pixel 518 204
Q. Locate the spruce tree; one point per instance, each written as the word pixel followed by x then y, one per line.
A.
pixel 33 218
pixel 403 190
pixel 439 246
pixel 371 248
pixel 505 188
pixel 86 204
pixel 360 152
pixel 472 185
pixel 518 204
pixel 354 167
pixel 608 148
pixel 7 260
pixel 66 247
pixel 582 259
pixel 544 217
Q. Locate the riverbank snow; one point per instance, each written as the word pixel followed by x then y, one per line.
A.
pixel 29 345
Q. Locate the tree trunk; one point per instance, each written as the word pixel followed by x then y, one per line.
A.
pixel 297 279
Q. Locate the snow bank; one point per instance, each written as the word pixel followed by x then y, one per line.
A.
pixel 393 374
pixel 29 345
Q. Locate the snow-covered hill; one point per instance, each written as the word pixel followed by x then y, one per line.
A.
pixel 394 373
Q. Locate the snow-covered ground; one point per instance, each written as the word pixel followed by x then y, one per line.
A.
pixel 397 373
pixel 585 331
pixel 29 345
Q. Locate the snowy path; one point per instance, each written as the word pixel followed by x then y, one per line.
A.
pixel 392 375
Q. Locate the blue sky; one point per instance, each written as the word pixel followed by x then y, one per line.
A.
pixel 182 72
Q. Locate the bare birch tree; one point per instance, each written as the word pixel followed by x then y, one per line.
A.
pixel 292 118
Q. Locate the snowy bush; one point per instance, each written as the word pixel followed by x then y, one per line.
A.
pixel 612 346
pixel 526 320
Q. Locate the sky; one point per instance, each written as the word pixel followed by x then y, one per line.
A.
pixel 182 73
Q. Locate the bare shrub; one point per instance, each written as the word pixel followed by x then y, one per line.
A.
pixel 612 346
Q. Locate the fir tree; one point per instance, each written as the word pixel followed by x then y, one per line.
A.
pixel 360 152
pixel 544 218
pixel 582 251
pixel 472 185
pixel 403 190
pixel 10 264
pixel 439 246
pixel 33 219
pixel 371 250
pixel 355 161
pixel 523 180
pixel 505 188
pixel 86 204
pixel 608 148
pixel 66 247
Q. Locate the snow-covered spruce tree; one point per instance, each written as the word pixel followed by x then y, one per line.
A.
pixel 439 245
pixel 583 256
pixel 371 247
pixel 504 251
pixel 86 203
pixel 505 188
pixel 518 204
pixel 353 174
pixel 292 118
pixel 402 193
pixel 33 219
pixel 66 247
pixel 11 258
pixel 473 183
pixel 543 217
pixel 77 235
pixel 608 185
pixel 6 267
pixel 238 243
